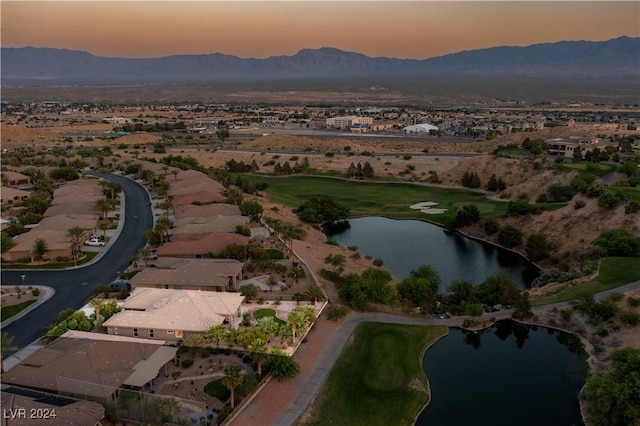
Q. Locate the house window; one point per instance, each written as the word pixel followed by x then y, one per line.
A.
pixel 169 331
pixel 150 333
pixel 115 330
pixel 179 334
pixel 135 332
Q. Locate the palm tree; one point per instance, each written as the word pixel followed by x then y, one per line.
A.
pixel 166 206
pixel 297 320
pixel 269 327
pixel 97 303
pixel 6 345
pixel 217 333
pixel 259 353
pixel 297 273
pixel 104 206
pixel 231 380
pixel 104 226
pixel 76 233
pixel 315 294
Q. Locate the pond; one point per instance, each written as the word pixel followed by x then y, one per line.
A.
pixel 508 374
pixel 405 245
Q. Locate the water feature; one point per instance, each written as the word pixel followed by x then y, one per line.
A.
pixel 508 374
pixel 405 245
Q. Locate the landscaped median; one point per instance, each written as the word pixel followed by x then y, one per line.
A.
pixel 378 379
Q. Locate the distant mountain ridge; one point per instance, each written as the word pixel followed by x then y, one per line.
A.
pixel 611 58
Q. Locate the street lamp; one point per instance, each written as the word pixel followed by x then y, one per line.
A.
pixel 23 276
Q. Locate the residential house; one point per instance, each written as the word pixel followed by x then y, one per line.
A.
pixel 91 366
pixel 57 243
pixel 9 196
pixel 206 210
pixel 173 315
pixel 199 245
pixel 204 224
pixel 20 404
pixel 190 274
pixel 15 179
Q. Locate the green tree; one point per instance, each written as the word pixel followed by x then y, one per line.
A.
pixel 216 334
pixel 222 134
pixel 6 241
pixel 39 249
pixel 467 216
pixel 233 377
pixel 499 288
pixel 337 262
pixel 629 168
pixel 522 308
pixel 509 236
pixel 421 288
pixel 461 291
pixel 618 242
pixel 249 291
pixel 282 366
pixel 234 251
pixel 614 399
pixel 251 208
pixel 321 210
pixel 537 247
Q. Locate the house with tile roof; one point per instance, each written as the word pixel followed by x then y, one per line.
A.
pixel 91 366
pixel 173 315
pixel 190 274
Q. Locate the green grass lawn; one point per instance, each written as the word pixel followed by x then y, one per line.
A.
pixel 374 380
pixel 597 168
pixel 632 194
pixel 377 198
pixel 261 313
pixel 87 258
pixel 614 272
pixel 9 311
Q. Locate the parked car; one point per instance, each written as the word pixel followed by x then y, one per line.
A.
pixel 119 284
pixel 152 256
pixel 94 242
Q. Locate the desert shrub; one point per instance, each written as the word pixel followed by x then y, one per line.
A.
pixel 491 226
pixel 378 262
pixel 629 318
pixel 186 363
pixel 633 302
pixel 335 311
pixel 35 292
pixel 579 204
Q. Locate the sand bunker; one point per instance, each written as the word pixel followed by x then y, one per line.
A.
pixel 424 204
pixel 425 207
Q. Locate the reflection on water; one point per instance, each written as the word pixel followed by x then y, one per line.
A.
pixel 508 374
pixel 405 245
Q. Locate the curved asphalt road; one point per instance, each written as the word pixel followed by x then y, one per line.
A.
pixel 68 284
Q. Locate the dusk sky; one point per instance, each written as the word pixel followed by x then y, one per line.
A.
pixel 413 29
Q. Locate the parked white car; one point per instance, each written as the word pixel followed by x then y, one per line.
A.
pixel 94 242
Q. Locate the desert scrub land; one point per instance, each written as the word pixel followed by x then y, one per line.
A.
pixel 378 379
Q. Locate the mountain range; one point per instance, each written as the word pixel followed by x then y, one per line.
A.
pixel 619 57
